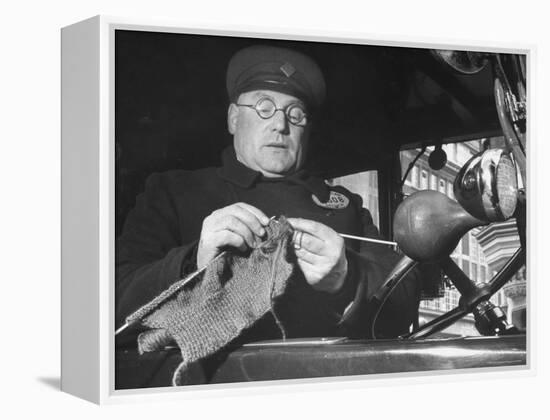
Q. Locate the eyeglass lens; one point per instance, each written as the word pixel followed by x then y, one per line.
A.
pixel 266 108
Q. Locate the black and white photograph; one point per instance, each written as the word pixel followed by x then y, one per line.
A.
pixel 288 208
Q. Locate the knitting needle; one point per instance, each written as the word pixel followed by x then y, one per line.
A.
pixel 196 273
pixel 360 238
pixel 176 289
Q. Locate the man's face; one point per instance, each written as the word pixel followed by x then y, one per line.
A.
pixel 272 146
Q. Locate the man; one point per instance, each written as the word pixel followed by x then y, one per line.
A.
pixel 185 219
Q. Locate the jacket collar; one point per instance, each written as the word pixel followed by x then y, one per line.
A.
pixel 235 172
pixel 242 176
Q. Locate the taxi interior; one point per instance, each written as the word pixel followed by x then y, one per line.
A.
pixel 170 107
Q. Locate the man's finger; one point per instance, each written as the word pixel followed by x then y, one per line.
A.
pixel 249 219
pixel 311 243
pixel 232 239
pixel 237 226
pixel 316 229
pixel 260 215
pixel 312 259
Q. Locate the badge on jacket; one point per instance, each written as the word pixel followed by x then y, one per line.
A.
pixel 336 201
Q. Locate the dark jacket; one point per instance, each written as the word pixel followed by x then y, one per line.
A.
pixel 159 242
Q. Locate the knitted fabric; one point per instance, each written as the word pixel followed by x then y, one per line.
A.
pixel 234 293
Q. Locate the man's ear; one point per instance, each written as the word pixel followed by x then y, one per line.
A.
pixel 232 117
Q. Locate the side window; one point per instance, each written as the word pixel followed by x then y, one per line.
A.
pixel 366 185
pixel 466 267
pixel 442 180
pixel 423 179
pixel 466 244
pixel 414 176
pixel 450 192
pixel 433 182
pixel 469 254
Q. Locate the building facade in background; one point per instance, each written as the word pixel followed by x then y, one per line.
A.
pixel 480 253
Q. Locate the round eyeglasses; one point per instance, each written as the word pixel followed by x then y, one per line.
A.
pixel 266 108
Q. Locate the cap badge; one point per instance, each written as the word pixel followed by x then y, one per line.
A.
pixel 288 69
pixel 336 201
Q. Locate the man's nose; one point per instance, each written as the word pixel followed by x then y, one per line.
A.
pixel 280 122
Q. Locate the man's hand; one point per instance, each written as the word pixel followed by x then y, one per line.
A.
pixel 321 255
pixel 239 225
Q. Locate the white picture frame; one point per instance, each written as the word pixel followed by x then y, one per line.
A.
pixel 88 204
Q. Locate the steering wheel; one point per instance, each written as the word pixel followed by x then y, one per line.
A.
pixel 428 226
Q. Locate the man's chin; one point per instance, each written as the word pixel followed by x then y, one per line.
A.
pixel 271 170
